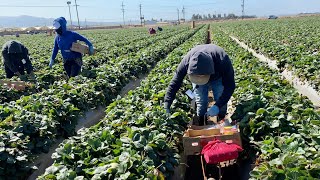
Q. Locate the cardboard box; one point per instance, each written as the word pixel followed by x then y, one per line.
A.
pixel 193 144
pixel 18 85
pixel 77 47
pixel 195 131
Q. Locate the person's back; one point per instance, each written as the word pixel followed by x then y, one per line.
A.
pixel 16 59
pixel 152 31
pixel 206 66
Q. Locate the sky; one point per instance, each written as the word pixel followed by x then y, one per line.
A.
pixel 110 10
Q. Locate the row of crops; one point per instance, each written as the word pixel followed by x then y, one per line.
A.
pixel 114 55
pixel 281 124
pixel 294 43
pixel 136 139
pixel 30 124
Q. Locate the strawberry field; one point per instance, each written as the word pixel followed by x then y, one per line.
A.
pixel 32 120
pixel 293 43
pixel 136 139
pixel 279 123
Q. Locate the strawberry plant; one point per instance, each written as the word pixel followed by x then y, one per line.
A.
pixel 292 42
pixel 136 139
pixel 282 124
pixel 42 117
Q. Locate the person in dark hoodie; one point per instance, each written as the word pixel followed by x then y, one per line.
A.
pixel 16 60
pixel 72 61
pixel 206 66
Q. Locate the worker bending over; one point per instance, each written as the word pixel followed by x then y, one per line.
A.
pixel 206 66
pixel 16 60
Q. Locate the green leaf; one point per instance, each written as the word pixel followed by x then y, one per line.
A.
pixel 260 111
pixel 275 124
pixel 174 115
pixel 124 157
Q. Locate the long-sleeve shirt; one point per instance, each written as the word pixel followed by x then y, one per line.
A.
pixel 222 66
pixel 65 40
pixel 14 60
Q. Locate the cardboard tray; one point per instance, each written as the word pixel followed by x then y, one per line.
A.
pixel 77 47
pixel 195 131
pixel 18 85
pixel 193 144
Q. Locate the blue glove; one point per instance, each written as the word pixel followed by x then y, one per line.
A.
pixel 51 63
pixel 213 111
pixel 91 50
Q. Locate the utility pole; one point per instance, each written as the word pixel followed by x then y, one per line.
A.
pixel 85 20
pixel 178 15
pixel 140 14
pixel 123 13
pixel 77 12
pixel 69 2
pixel 242 5
pixel 184 13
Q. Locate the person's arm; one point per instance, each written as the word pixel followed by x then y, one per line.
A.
pixel 228 82
pixel 8 62
pixel 28 64
pixel 175 83
pixel 55 50
pixel 82 38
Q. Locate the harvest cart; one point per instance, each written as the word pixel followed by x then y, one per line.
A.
pixel 196 137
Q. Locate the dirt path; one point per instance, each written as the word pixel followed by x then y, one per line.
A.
pixel 302 87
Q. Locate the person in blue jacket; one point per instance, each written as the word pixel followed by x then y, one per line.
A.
pixel 72 61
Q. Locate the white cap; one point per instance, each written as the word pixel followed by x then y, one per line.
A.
pixel 56 25
pixel 199 79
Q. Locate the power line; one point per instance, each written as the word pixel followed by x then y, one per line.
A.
pixel 178 15
pixel 6 6
pixel 123 13
pixel 77 12
pixel 184 12
pixel 242 5
pixel 141 17
pixel 32 6
pixel 69 2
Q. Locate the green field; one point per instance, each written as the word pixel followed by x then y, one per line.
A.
pixel 136 139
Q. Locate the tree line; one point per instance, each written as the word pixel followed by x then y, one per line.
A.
pixel 218 16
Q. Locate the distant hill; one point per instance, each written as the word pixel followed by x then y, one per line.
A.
pixel 30 21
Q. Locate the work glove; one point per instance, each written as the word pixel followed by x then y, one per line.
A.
pixel 23 77
pixel 213 111
pixel 91 50
pixel 32 76
pixel 51 63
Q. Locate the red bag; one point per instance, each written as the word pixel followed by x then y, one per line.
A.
pixel 216 151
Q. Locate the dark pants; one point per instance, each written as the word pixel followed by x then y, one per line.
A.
pixel 10 74
pixel 73 67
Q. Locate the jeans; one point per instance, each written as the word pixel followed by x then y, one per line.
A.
pixel 73 67
pixel 201 97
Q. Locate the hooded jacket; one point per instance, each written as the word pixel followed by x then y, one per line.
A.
pixel 13 52
pixel 208 59
pixel 65 40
